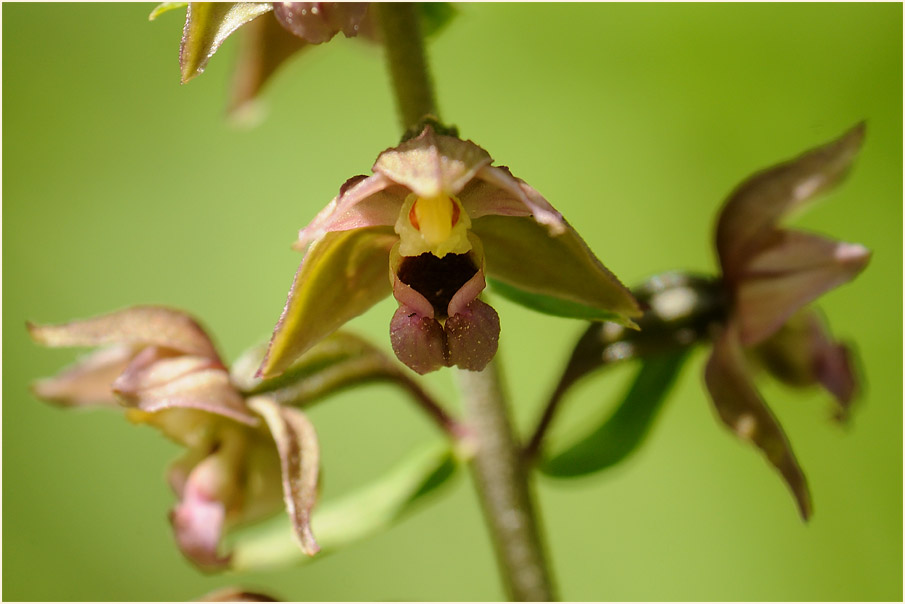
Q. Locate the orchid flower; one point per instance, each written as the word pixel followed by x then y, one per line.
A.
pixel 771 274
pixel 162 367
pixel 439 219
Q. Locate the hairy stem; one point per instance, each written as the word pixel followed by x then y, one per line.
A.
pixel 404 47
pixel 502 484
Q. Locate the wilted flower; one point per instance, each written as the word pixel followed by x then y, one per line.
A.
pixel 438 218
pixel 771 273
pixel 162 367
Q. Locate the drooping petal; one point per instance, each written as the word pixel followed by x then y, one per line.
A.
pixel 802 354
pixel 185 383
pixel 554 274
pixel 753 210
pixel 297 445
pixel 745 413
pixel 264 46
pixel 512 193
pixel 432 163
pixel 418 341
pixel 342 275
pixel 138 326
pixel 318 22
pixel 472 336
pixel 793 271
pixel 87 382
pixel 200 517
pixel 207 25
pixel 362 202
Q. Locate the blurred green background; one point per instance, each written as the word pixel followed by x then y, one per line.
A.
pixel 120 186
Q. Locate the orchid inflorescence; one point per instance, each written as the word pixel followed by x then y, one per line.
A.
pixel 434 224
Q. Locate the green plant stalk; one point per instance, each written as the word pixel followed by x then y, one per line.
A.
pixel 502 484
pixel 404 47
pixel 500 478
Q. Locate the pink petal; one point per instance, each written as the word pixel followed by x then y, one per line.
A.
pixel 200 517
pixel 342 275
pixel 793 271
pixel 754 209
pixel 87 382
pixel 137 326
pixel 432 163
pixel 297 445
pixel 744 413
pixel 370 201
pixel 512 192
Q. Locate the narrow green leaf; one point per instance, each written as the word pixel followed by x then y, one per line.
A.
pixel 354 517
pixel 164 7
pixel 622 432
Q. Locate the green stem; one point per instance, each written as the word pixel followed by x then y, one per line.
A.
pixel 502 484
pixel 404 44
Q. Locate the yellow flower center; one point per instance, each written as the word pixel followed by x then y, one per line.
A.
pixel 438 225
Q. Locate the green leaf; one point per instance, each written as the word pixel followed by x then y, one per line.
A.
pixel 338 361
pixel 435 16
pixel 352 518
pixel 165 7
pixel 207 25
pixel 622 432
pixel 552 273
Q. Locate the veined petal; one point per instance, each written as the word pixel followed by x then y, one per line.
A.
pixel 207 25
pixel 297 445
pixel 793 271
pixel 342 275
pixel 554 274
pixel 185 383
pixel 138 326
pixel 753 210
pixel 362 202
pixel 432 163
pixel 803 353
pixel 744 412
pixel 265 45
pixel 513 189
pixel 88 381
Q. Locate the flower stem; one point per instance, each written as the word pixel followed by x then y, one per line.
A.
pixel 406 60
pixel 502 484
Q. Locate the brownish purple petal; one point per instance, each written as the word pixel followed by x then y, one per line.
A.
pixel 792 271
pixel 418 340
pixel 297 445
pixel 472 336
pixel 137 326
pixel 318 22
pixel 754 209
pixel 745 413
pixel 803 353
